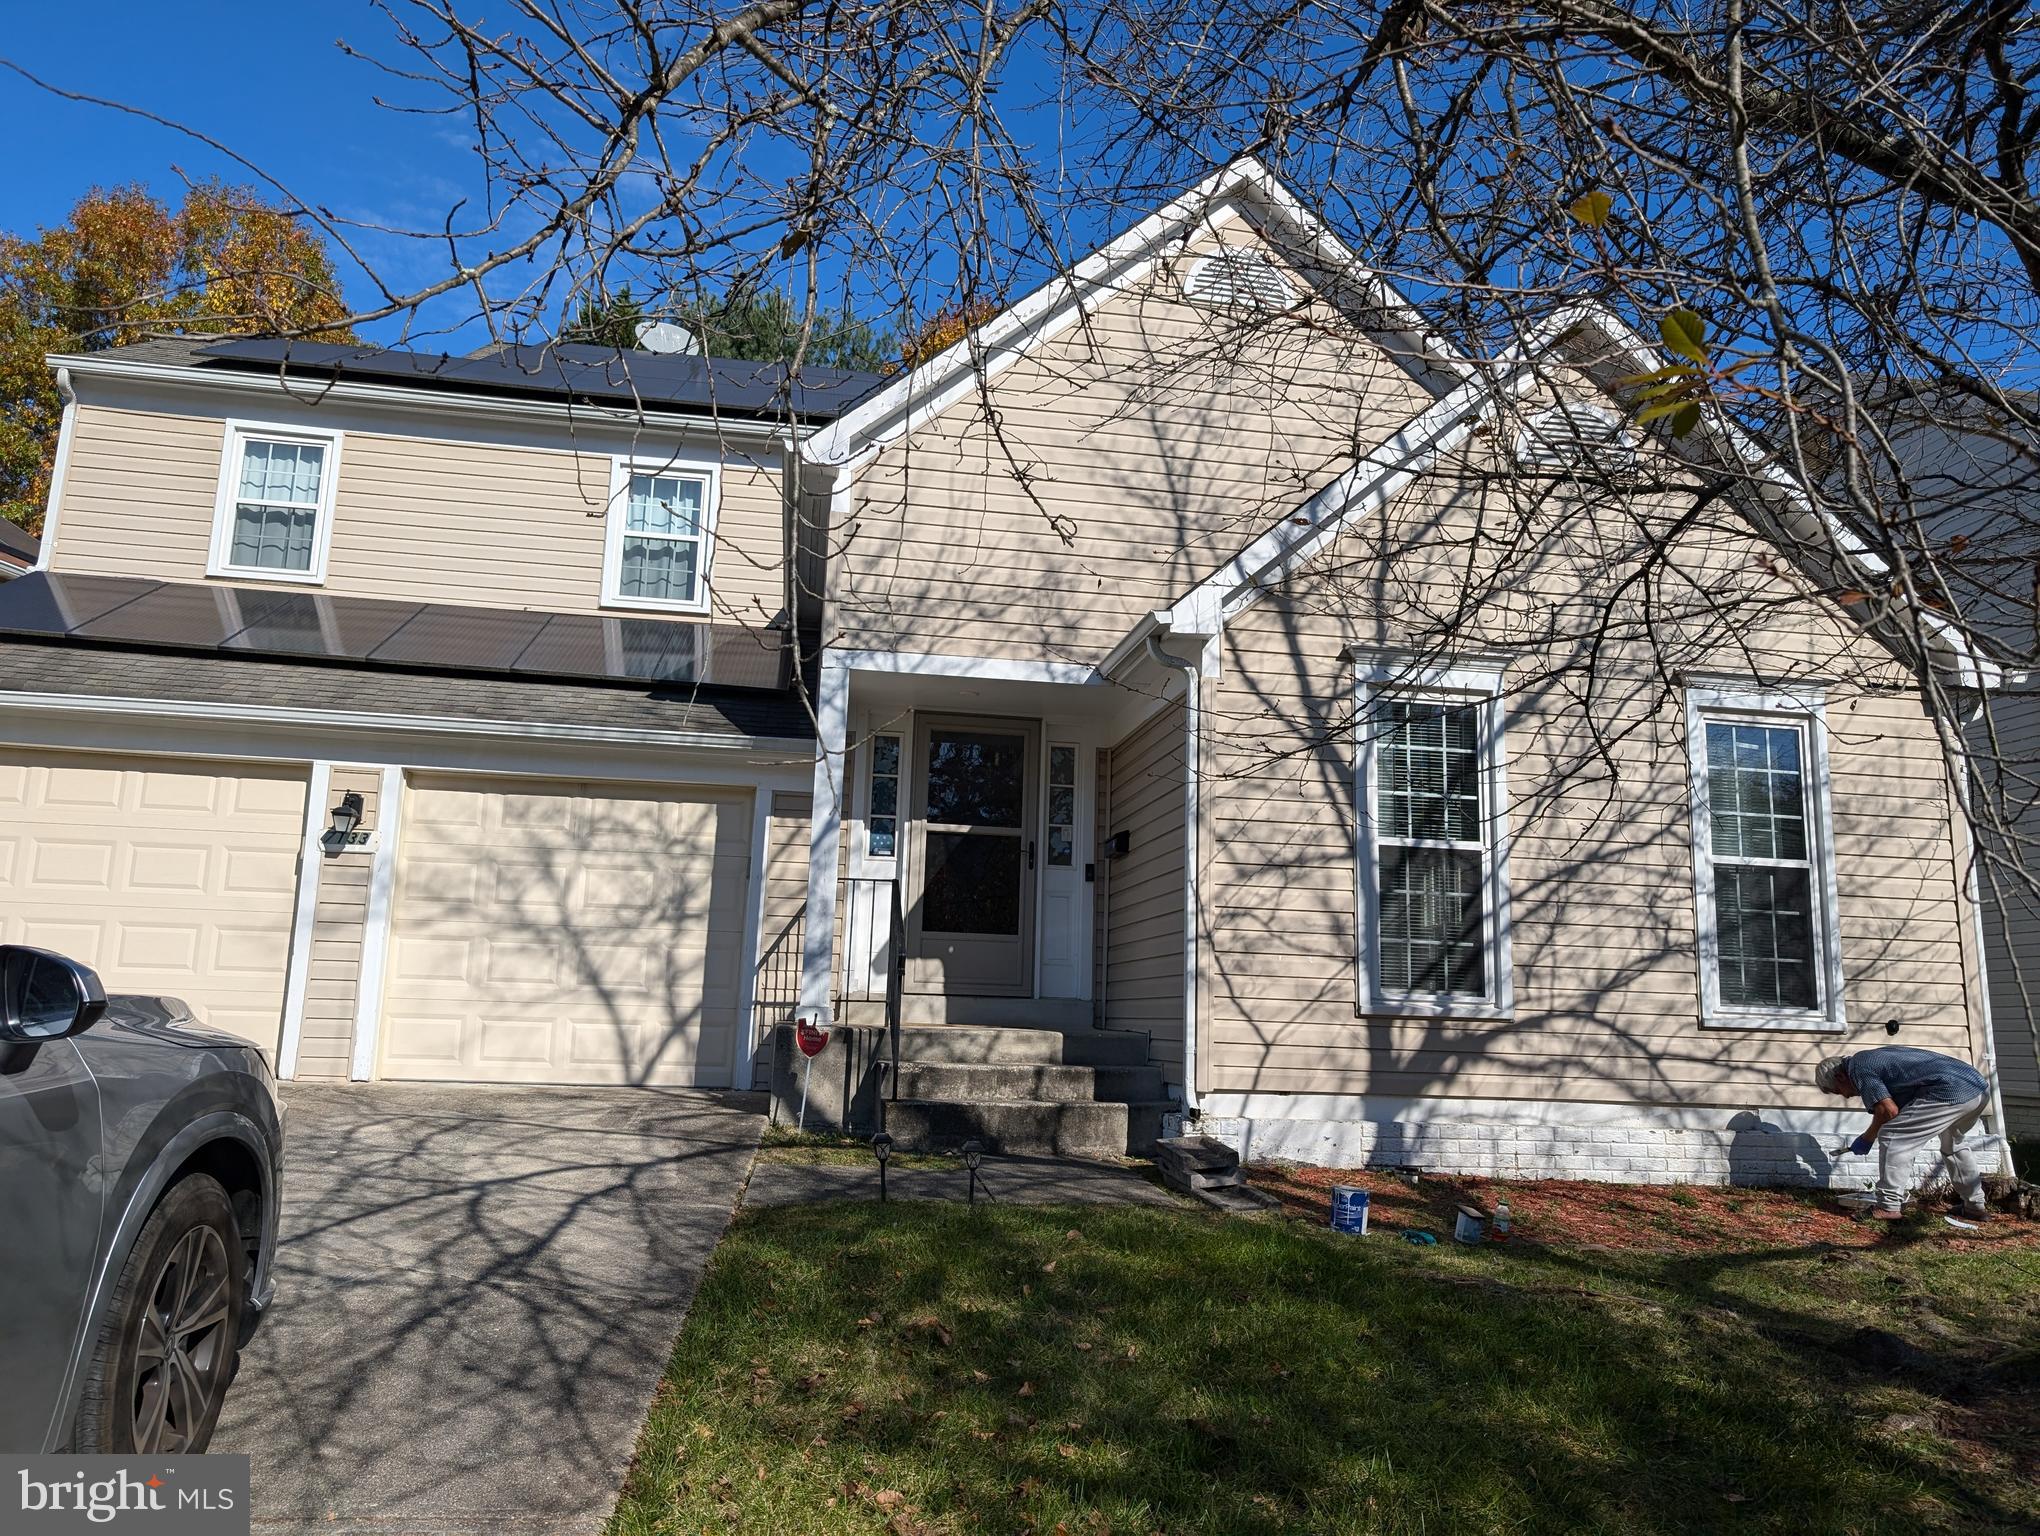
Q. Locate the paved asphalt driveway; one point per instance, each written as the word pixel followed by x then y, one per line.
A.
pixel 476 1293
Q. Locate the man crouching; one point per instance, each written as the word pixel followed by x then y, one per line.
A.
pixel 1912 1096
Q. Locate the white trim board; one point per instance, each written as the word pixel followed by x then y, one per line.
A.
pixel 375 936
pixel 744 1047
pixel 304 918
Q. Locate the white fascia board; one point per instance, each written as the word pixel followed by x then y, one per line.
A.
pixel 410 725
pixel 938 383
pixel 1001 669
pixel 431 402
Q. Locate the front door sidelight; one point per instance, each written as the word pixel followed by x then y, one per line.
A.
pixel 970 918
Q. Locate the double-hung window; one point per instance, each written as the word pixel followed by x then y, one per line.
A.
pixel 1764 884
pixel 273 518
pixel 661 532
pixel 1433 855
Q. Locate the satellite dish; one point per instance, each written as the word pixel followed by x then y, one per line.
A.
pixel 664 336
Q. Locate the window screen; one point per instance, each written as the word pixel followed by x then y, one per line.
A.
pixel 1431 850
pixel 1763 869
pixel 276 505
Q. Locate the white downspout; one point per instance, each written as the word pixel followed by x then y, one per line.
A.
pixel 1192 740
pixel 1990 1066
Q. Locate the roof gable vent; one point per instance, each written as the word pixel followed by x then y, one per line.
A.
pixel 1575 436
pixel 1238 278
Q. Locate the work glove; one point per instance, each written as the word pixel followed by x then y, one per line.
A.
pixel 1860 1146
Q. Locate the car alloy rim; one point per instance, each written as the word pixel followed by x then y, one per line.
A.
pixel 182 1346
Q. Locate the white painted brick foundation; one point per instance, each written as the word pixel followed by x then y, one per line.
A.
pixel 1611 1143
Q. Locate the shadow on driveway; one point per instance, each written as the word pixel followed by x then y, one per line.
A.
pixel 476 1293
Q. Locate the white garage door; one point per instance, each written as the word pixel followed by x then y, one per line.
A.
pixel 567 933
pixel 165 875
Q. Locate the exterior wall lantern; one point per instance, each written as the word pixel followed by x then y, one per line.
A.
pixel 346 828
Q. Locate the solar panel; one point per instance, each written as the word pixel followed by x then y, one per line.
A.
pixel 38 603
pixel 433 636
pixel 169 614
pixel 597 373
pixel 468 639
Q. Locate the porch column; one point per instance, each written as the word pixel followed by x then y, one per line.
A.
pixel 825 838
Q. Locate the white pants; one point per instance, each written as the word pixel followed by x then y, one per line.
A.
pixel 1899 1144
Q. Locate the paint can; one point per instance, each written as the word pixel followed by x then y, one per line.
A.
pixel 1349 1209
pixel 1471 1225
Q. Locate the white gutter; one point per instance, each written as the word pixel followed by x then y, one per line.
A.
pixel 1193 731
pixel 1990 1066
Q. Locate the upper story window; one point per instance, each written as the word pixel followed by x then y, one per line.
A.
pixel 1433 876
pixel 661 532
pixel 1763 860
pixel 274 516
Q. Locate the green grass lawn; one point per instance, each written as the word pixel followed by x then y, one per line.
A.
pixel 915 1369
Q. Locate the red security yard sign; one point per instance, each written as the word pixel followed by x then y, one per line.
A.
pixel 811 1038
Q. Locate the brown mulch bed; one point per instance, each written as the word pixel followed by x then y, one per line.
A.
pixel 1659 1218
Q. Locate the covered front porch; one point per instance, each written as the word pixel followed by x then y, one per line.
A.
pixel 984 841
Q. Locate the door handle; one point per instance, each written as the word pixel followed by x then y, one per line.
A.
pixel 1030 855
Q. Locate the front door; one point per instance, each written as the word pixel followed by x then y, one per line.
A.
pixel 970 914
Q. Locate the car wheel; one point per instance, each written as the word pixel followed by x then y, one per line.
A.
pixel 166 1354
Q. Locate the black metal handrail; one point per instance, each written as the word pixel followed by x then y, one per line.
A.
pixel 895 980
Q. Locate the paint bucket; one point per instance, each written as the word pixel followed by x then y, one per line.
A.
pixel 1471 1225
pixel 1349 1209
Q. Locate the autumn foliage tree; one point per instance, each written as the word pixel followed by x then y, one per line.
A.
pixel 124 267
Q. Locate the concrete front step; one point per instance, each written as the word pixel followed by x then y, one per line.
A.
pixel 1027 1128
pixel 955 1044
pixel 987 1081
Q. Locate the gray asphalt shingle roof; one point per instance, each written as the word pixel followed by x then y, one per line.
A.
pixel 110 672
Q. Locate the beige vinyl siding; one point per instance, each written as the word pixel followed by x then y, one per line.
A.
pixel 1607 990
pixel 339 927
pixel 2011 912
pixel 424 515
pixel 1133 454
pixel 780 935
pixel 1144 897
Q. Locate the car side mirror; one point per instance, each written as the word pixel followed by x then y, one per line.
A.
pixel 44 996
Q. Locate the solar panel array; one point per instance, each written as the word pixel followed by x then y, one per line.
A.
pixel 589 373
pixel 439 637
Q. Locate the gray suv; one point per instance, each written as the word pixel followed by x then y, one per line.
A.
pixel 139 1162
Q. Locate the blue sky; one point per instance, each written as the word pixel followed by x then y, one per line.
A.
pixel 266 79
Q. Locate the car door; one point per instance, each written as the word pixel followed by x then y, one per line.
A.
pixel 51 1209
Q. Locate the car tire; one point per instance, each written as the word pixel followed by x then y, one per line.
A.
pixel 166 1354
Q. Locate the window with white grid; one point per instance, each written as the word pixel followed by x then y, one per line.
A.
pixel 1763 878
pixel 1433 883
pixel 275 502
pixel 660 538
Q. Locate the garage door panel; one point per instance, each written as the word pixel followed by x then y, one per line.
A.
pixel 163 869
pixel 593 936
pixel 166 875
